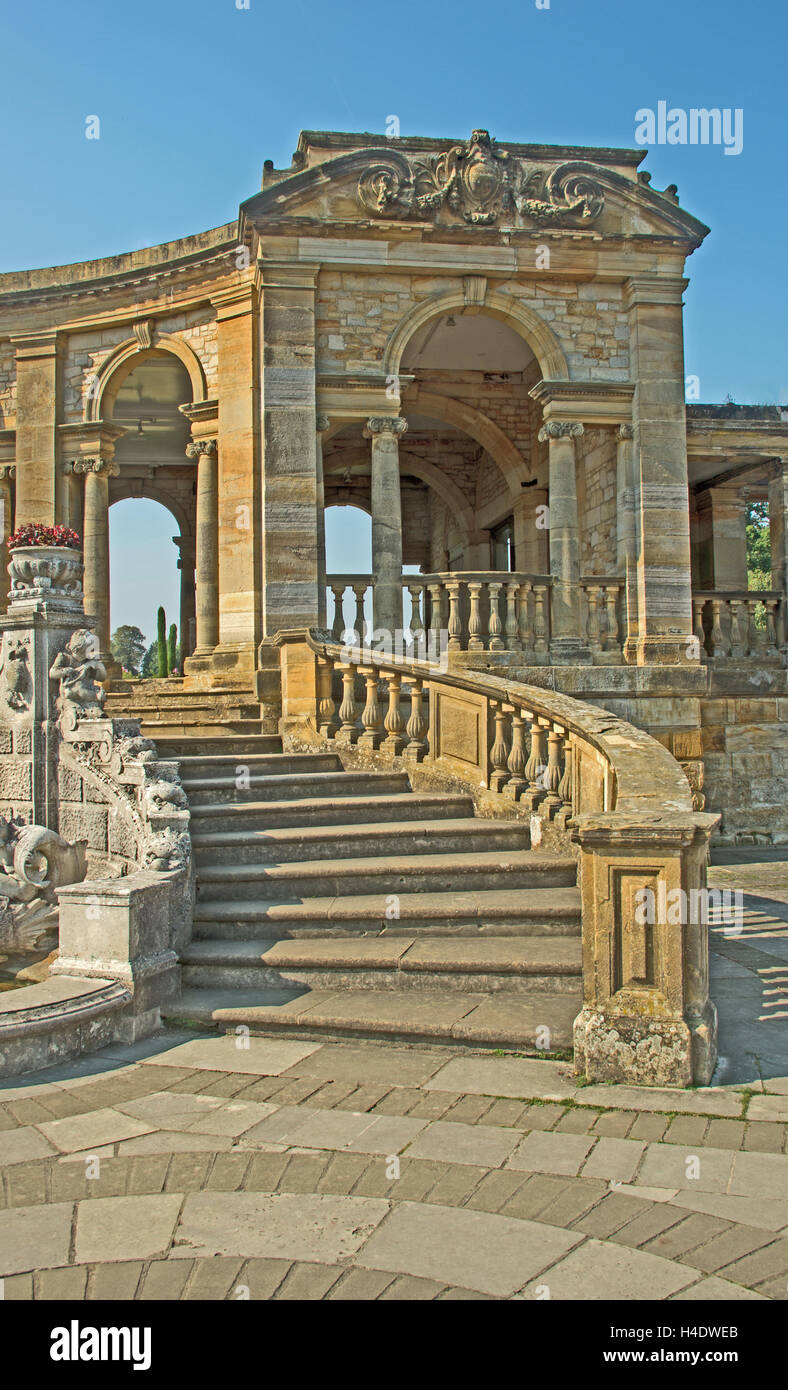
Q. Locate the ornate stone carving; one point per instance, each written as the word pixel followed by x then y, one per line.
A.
pixel 96 465
pixel 322 422
pixel 8 470
pixel 46 573
pixel 626 432
pixel 17 686
pixel 34 861
pixel 143 332
pixel 480 182
pixel 79 671
pixel 200 446
pixel 385 424
pixel 167 849
pixel 560 429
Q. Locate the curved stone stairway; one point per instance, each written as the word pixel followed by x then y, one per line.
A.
pixel 343 902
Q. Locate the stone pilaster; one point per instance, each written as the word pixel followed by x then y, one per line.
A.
pixel 7 472
pixel 567 644
pixel 531 531
pixel 654 304
pixel 384 432
pixel 187 615
pixel 322 423
pixel 778 525
pixel 626 540
pixel 95 544
pixel 290 475
pixel 39 390
pixel 722 526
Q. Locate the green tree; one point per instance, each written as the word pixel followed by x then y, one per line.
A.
pixel 172 648
pixel 161 641
pixel 759 549
pixel 150 661
pixel 128 647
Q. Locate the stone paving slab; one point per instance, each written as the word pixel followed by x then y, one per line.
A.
pixel 309 1226
pixel 257 1056
pixel 461 1143
pixel 598 1271
pixel 96 1127
pixel 506 1076
pixel 125 1228
pixel 35 1237
pixel 20 1145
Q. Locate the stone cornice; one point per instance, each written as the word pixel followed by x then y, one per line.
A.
pixel 590 402
pixel 654 289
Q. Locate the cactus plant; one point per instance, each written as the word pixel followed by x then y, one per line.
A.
pixel 161 642
pixel 172 649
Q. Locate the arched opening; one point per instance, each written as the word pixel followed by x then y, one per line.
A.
pixel 144 576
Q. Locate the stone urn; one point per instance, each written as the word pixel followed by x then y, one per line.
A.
pixel 46 574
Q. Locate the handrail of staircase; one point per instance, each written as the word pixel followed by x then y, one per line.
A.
pixel 619 795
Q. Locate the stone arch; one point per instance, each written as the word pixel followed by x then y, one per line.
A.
pixel 128 355
pixel 513 312
pixel 428 473
pixel 124 492
pixel 480 427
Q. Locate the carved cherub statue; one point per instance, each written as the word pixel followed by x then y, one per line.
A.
pixel 79 671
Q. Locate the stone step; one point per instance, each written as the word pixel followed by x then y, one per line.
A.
pixel 389 874
pixel 284 844
pixel 536 1023
pixel 222 744
pixel 213 792
pixel 492 964
pixel 184 703
pixel 534 911
pixel 325 811
pixel 197 767
pixel 173 727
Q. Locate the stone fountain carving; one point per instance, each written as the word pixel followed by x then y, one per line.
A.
pixel 79 670
pixel 34 862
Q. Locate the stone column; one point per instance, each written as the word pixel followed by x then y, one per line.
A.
pixel 207 545
pixel 95 548
pixel 322 423
pixel 531 531
pixel 654 304
pixel 384 432
pixel 567 645
pixel 778 525
pixel 477 551
pixel 71 510
pixel 186 564
pixel 625 540
pixel 39 390
pixel 7 472
pixel 724 511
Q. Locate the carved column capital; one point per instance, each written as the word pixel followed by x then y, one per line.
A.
pixel 201 446
pixel 102 466
pixel 8 470
pixel 322 422
pixel 560 429
pixel 393 425
pixel 626 432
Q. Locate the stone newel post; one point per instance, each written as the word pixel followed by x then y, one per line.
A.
pixel 567 643
pixel 384 431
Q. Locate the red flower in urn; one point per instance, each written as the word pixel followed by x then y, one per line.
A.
pixel 36 533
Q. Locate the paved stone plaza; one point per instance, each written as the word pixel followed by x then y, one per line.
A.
pixel 268 1170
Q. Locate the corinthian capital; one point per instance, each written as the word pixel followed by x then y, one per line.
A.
pixel 200 446
pixel 626 432
pixel 103 466
pixel 560 429
pixel 385 424
pixel 8 470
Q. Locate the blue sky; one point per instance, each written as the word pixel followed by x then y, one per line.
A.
pixel 193 95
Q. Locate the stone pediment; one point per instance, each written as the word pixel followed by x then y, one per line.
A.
pixel 476 184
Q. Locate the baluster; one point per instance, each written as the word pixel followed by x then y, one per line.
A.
pixel 326 708
pixel 417 725
pixel 738 648
pixel 517 783
pixel 394 724
pixel 698 605
pixel 770 604
pixel 612 642
pixel 524 620
pixel 751 606
pixel 499 753
pixel 494 626
pixel 347 733
pixel 370 715
pixel 436 619
pixel 592 599
pixel 540 619
pixel 475 640
pixel 535 767
pixel 455 625
pixel 416 623
pixel 717 639
pixel 565 786
pixel 553 772
pixel 511 629
pixel 360 592
pixel 338 629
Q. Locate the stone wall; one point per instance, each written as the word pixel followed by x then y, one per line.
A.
pixel 16 788
pixel 745 756
pixel 596 499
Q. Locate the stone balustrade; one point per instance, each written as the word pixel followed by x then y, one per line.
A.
pixel 581 774
pixel 740 625
pixel 603 625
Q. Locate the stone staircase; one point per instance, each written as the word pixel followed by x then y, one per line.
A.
pixel 340 902
pixel 166 709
